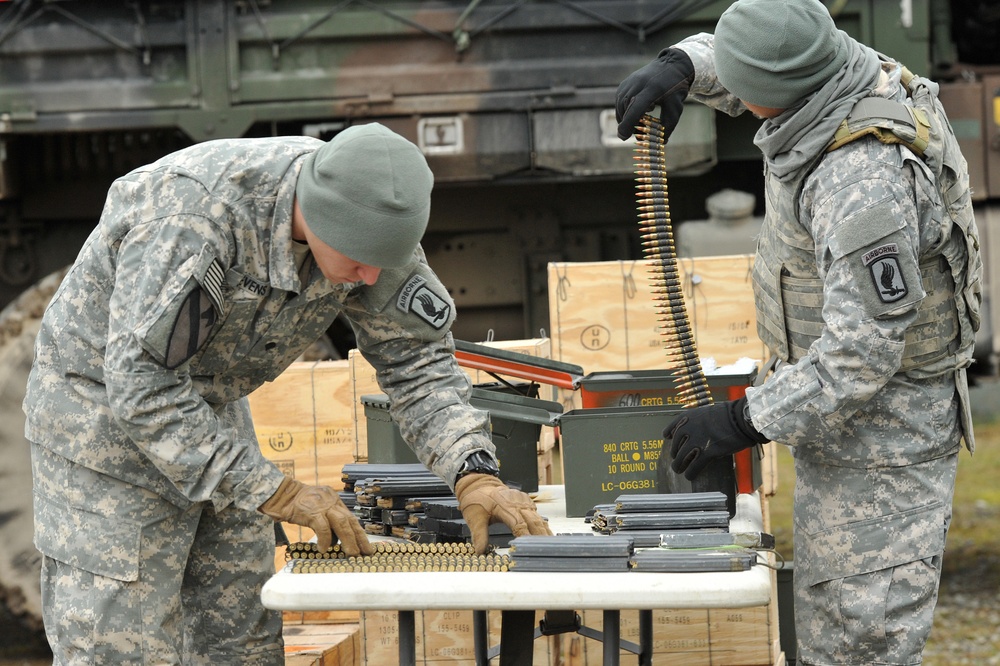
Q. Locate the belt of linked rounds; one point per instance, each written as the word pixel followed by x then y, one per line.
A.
pixel 658 247
pixel 394 556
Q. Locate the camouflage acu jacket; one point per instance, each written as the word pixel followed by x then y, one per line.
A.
pixel 844 400
pixel 186 298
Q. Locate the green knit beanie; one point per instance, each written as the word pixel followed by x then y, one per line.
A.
pixel 774 53
pixel 367 194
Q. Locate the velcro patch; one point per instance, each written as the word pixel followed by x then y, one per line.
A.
pixel 417 297
pixel 883 265
pixel 195 319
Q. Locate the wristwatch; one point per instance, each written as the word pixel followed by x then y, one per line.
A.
pixel 479 462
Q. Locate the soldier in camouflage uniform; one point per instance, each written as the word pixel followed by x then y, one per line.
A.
pixel 867 283
pixel 210 271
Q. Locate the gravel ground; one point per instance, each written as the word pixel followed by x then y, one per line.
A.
pixel 967 621
pixel 966 629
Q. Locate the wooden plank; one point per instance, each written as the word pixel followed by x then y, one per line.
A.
pixel 769 469
pixel 322 645
pixel 363 382
pixel 545 470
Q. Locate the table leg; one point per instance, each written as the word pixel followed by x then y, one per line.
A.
pixel 407 621
pixel 517 635
pixel 480 637
pixel 646 638
pixel 612 637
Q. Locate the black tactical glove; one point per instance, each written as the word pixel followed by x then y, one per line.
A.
pixel 663 82
pixel 704 433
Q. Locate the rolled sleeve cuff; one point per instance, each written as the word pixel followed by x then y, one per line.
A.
pixel 448 466
pixel 253 490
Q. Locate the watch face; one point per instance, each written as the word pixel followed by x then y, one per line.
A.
pixel 480 463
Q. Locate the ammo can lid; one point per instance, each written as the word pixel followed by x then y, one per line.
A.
pixel 500 405
pixel 638 380
pixel 378 401
pixel 514 407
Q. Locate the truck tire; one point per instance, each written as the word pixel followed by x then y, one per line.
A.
pixel 20 563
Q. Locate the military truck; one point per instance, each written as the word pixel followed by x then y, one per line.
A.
pixel 511 101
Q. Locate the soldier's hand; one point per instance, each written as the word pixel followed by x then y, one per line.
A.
pixel 320 509
pixel 664 82
pixel 484 499
pixel 703 434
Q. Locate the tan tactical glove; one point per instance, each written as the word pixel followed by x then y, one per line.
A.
pixel 320 509
pixel 484 499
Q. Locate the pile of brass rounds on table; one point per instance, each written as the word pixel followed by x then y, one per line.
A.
pixel 658 246
pixel 392 556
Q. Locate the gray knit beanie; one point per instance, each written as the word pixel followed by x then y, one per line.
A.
pixel 776 52
pixel 367 194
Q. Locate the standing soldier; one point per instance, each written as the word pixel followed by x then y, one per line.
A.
pixel 867 283
pixel 210 271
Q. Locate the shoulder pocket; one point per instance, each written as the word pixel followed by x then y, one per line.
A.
pixel 865 227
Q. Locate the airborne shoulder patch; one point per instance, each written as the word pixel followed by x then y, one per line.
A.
pixel 883 266
pixel 417 296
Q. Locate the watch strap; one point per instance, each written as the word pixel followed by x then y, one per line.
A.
pixel 479 462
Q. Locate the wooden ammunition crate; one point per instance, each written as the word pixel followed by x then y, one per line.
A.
pixel 304 424
pixel 702 637
pixel 603 315
pixel 304 421
pixel 696 637
pixel 443 637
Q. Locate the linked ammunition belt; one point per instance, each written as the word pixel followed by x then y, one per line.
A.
pixel 560 553
pixel 391 556
pixel 658 246
pixel 678 532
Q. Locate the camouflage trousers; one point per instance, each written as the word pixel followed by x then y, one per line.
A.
pixel 128 578
pixel 868 550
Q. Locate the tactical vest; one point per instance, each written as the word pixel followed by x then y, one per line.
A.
pixel 787 287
